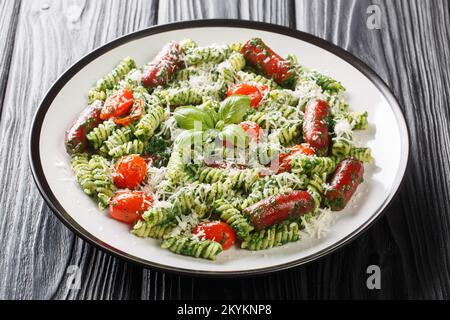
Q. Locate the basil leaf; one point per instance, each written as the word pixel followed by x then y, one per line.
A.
pixel 233 109
pixel 187 138
pixel 209 107
pixel 190 117
pixel 234 134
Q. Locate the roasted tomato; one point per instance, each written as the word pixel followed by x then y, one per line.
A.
pixel 117 105
pixel 217 231
pixel 128 206
pixel 253 130
pixel 286 158
pixel 255 92
pixel 130 171
pixel 135 114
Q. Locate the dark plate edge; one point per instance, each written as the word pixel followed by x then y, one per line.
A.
pixel 59 211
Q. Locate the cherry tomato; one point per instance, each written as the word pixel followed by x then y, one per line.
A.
pixel 285 159
pixel 303 148
pixel 135 114
pixel 217 231
pixel 253 130
pixel 128 206
pixel 117 105
pixel 130 171
pixel 256 93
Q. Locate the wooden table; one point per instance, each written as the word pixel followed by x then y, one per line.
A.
pixel 410 51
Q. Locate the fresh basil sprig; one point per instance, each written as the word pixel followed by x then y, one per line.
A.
pixel 232 110
pixel 190 117
pixel 235 134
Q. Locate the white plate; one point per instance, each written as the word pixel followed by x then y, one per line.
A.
pixel 388 138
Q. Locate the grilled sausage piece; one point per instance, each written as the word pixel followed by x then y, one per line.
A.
pixel 315 125
pixel 279 208
pixel 348 176
pixel 89 119
pixel 159 71
pixel 266 61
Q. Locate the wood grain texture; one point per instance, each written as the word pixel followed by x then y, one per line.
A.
pixel 36 248
pixel 8 23
pixel 410 243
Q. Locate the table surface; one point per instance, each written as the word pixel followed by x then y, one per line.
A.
pixel 410 243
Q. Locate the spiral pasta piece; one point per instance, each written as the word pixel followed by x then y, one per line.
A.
pixel 312 165
pixel 111 79
pixel 187 45
pixel 206 54
pixel 132 147
pixel 83 173
pixel 282 97
pixel 181 96
pixel 100 134
pixel 357 120
pixel 117 138
pixel 144 230
pixel 362 154
pixel 239 179
pixel 316 188
pixel 249 77
pixel 276 235
pixel 288 134
pixel 205 249
pixel 327 83
pixel 104 186
pixel 149 123
pixel 227 69
pixel 233 217
pixel 185 74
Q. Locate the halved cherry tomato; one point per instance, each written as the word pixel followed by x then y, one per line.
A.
pixel 256 93
pixel 217 231
pixel 128 206
pixel 135 114
pixel 117 105
pixel 130 171
pixel 285 159
pixel 253 130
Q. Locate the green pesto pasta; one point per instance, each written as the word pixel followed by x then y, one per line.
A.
pixel 205 249
pixel 83 173
pixel 149 123
pixel 100 134
pixel 111 80
pixel 144 230
pixel 260 168
pixel 233 217
pixel 104 186
pixel 274 236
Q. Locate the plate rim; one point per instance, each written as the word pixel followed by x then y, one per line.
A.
pixel 72 224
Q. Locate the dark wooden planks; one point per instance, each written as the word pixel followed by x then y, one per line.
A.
pixel 36 248
pixel 411 53
pixel 8 23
